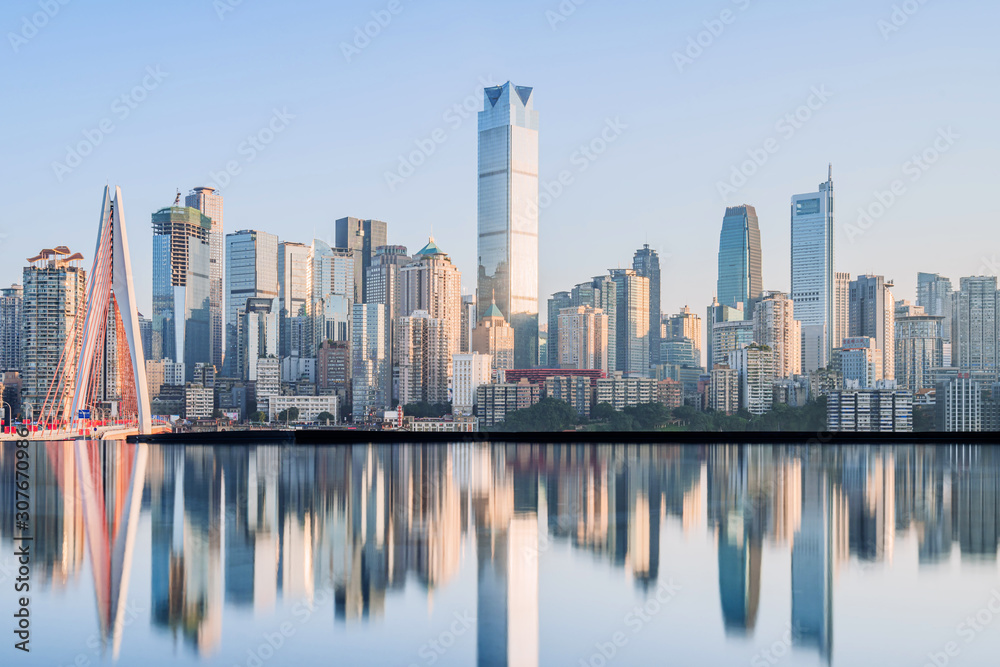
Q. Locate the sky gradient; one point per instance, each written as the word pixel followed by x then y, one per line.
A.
pixel 222 70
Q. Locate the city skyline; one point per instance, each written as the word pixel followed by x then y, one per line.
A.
pixel 869 161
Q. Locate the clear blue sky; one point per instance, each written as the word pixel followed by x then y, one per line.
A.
pixel 656 183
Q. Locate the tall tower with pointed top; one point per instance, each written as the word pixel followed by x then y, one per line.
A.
pixel 508 213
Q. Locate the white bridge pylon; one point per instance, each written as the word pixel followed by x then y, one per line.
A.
pixel 111 276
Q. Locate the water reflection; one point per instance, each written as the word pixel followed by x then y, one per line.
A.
pixel 244 528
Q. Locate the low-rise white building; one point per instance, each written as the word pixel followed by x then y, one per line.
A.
pixel 310 407
pixel 469 372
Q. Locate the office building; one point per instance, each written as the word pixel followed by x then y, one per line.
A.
pixel 54 310
pixel 632 301
pixel 423 344
pixel 293 298
pixel 556 303
pixel 361 238
pixel 258 329
pixel 209 202
pixel 11 325
pixel 384 285
pixel 493 336
pixel 182 285
pixel 646 262
pixel 813 272
pixel 776 327
pixel 251 272
pixel 371 376
pixel 508 214
pixel 146 336
pixel 583 338
pixel 872 313
pixel 974 325
pixel 330 281
pixel 919 348
pixel 739 281
pixel 469 371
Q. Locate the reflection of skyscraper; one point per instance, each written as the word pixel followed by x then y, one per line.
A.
pixel 508 214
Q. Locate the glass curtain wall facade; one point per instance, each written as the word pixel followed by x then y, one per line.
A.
pixel 209 202
pixel 812 272
pixel 508 214
pixel 740 280
pixel 251 272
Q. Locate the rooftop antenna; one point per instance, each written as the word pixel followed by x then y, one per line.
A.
pixel 177 199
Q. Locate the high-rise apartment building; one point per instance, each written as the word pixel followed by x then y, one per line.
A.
pixel 384 285
pixel 293 298
pixel 424 361
pixel 11 325
pixel 775 326
pixel 371 379
pixel 728 336
pixel 975 329
pixel 755 364
pixel 182 297
pixel 583 338
pixel 508 214
pixel 632 297
pixel 333 371
pixel 740 281
pixel 361 238
pixel 646 262
pixel 841 307
pixel 251 272
pixel 724 389
pixel 54 310
pixel 493 336
pixel 684 324
pixel 813 272
pixel 469 319
pixel 557 302
pixel 601 292
pixel 879 409
pixel 209 202
pixel 934 293
pixel 919 349
pixel 872 313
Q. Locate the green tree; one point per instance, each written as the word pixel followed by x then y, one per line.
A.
pixel 289 415
pixel 259 417
pixel 424 409
pixel 325 418
pixel 548 415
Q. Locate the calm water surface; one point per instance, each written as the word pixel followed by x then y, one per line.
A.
pixel 522 555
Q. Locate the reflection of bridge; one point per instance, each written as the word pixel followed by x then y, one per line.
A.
pixel 111 366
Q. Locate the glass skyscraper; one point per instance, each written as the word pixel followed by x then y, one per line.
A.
pixel 361 237
pixel 508 214
pixel 209 202
pixel 740 279
pixel 812 272
pixel 251 272
pixel 646 262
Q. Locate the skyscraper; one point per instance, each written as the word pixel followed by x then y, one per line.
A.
pixel 740 279
pixel 469 318
pixel 258 335
pixel 632 296
pixel 424 358
pixel 384 286
pixel 646 262
pixel 182 285
pixel 776 327
pixel 54 311
pixel 330 280
pixel 919 349
pixel 209 202
pixel 602 293
pixel 251 272
pixel 293 298
pixel 361 237
pixel 841 307
pixel 974 324
pixel 557 302
pixel 371 375
pixel 583 338
pixel 508 214
pixel 755 364
pixel 812 272
pixel 873 314
pixel 11 323
pixel 432 283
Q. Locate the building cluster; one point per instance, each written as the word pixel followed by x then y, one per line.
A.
pixel 248 326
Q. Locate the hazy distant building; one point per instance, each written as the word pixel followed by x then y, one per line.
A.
pixel 293 298
pixel 469 372
pixel 841 307
pixel 508 214
pixel 54 311
pixel 919 349
pixel 493 336
pixel 813 272
pixel 371 376
pixel 182 285
pixel 583 338
pixel 11 325
pixel 873 313
pixel 934 294
pixel 718 313
pixel 469 319
pixel 385 286
pixel 860 361
pixel 646 262
pixel 361 238
pixel 631 338
pixel 739 281
pixel 330 281
pixel 975 324
pixel 258 336
pixel 728 337
pixel 684 324
pixel 602 293
pixel 209 202
pixel 775 326
pixel 251 271
pixel 556 303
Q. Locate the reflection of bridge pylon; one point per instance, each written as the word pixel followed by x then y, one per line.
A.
pixel 111 485
pixel 111 298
